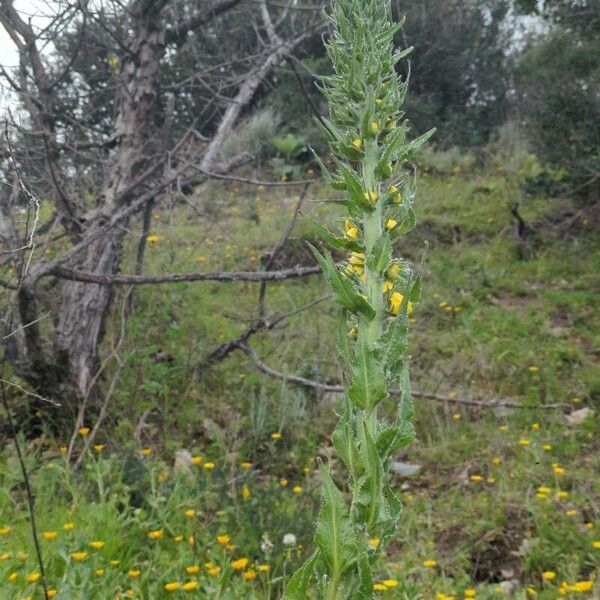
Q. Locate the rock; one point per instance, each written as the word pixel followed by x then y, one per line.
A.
pixel 183 460
pixel 577 417
pixel 405 469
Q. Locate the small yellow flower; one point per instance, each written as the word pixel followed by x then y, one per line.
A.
pixel 357 143
pixel 97 545
pixel 50 535
pixel 297 489
pixel 240 564
pixel 276 436
pixel 99 447
pixel 190 513
pixel 5 556
pixel 561 495
pixel 190 586
pixel 379 587
pixel 534 369
pixel 172 586
pixel 69 526
pixel 134 573
pixel 146 452
pixel 264 568
pixel 535 426
pixel 523 442
pixel 396 300
pixel 351 229
pixel 544 490
pixel 390 224
pixel 496 460
pixel 246 465
pixel 178 538
pixel 548 575
pixel 214 571
pixel 571 513
pixel 52 592
pixel 470 593
pixel 531 592
pixel 596 544
pixel 209 466
pixel 192 569
pixel 371 197
pixel 114 563
pixel 558 470
pixel 246 493
pixel 503 428
pixel 582 586
pixel 429 564
pixel 62 449
pixel 375 127
pixel 33 577
pixel 12 577
pixel 99 572
pixel 390 583
pixel 196 460
pixel 153 238
pixel 547 447
pixel 156 534
pixel 374 543
pixel 83 431
pixel 249 575
pixel 283 482
pixel 223 539
pixel 79 556
pixel 457 416
pixel 476 478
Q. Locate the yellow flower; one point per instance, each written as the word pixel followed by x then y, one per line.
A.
pixel 264 568
pixel 386 286
pixel 548 575
pixel 240 564
pixel 156 534
pixel 470 593
pixel 503 428
pixel 246 465
pixel 134 573
pixel 178 538
pixel 429 563
pixel 375 127
pixel 249 575
pixel 153 238
pixel 374 543
pixel 297 489
pixel 33 577
pixel 534 369
pixel 100 572
pixel 83 431
pixel 69 526
pixel 558 470
pixel 146 451
pixel 97 544
pixel 390 224
pixel 390 583
pixel 79 556
pixel 283 482
pixel 531 592
pixel 523 442
pixel 535 426
pixel 5 556
pixel 561 495
pixel 547 447
pixel 246 492
pixel 50 535
pixel 393 271
pixel 62 449
pixel 196 460
pixel 351 229
pixel 190 513
pixel 113 61
pixel 357 143
pixel 457 416
pixel 214 571
pixel 371 197
pixel 582 586
pixel 379 587
pixel 571 513
pixel 396 300
pixel 276 436
pixel 596 544
pixel 172 586
pixel 99 447
pixel 190 586
pixel 12 577
pixel 223 539
pixel 192 569
pixel 115 563
pixel 476 478
pixel 209 466
pixel 496 460
pixel 52 593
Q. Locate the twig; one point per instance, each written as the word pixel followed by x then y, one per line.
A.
pixel 337 389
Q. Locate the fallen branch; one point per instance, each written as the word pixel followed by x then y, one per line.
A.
pixel 338 389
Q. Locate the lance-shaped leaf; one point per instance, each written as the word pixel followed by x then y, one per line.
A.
pixel 331 180
pixel 297 586
pixel 393 345
pixel 335 535
pixel 374 472
pixel 367 388
pixel 381 254
pixel 342 287
pixel 364 588
pixel 354 186
pixel 333 240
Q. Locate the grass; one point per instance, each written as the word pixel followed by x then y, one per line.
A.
pixel 478 514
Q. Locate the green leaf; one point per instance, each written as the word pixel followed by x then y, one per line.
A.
pixel 364 589
pixel 381 255
pixel 297 586
pixel 343 287
pixel 345 444
pixel 373 469
pixel 394 344
pixel 343 344
pixel 335 535
pixel 333 240
pixel 367 389
pixel 354 186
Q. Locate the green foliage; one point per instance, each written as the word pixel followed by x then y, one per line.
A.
pixel 370 148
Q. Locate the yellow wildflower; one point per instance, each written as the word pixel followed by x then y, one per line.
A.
pixel 52 592
pixel 375 127
pixel 357 143
pixel 246 492
pixel 264 568
pixel 297 489
pixel 470 593
pixel 196 460
pixel 548 575
pixel 396 300
pixel 99 447
pixel 172 586
pixel 83 431
pixel 223 539
pixel 134 573
pixel 561 495
pixel 276 435
pixel 476 478
pixel 50 535
pixel 192 569
pixel 547 447
pixel 240 564
pixel 156 534
pixel 351 229
pixel 523 442
pixel 496 460
pixel 5 556
pixel 571 513
pixel 596 544
pixel 79 556
pixel 12 577
pixel 283 482
pixel 214 571
pixel 558 470
pixel 33 577
pixel 190 513
pixel 190 586
pixel 390 224
pixel 379 587
pixel 100 572
pixel 209 466
pixel 390 583
pixel 146 451
pixel 246 465
pixel 429 564
pixel 371 196
pixel 249 575
pixel 582 586
pixel 97 545
pixel 114 563
pixel 374 543
pixel 544 490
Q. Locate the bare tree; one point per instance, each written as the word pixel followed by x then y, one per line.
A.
pixel 92 138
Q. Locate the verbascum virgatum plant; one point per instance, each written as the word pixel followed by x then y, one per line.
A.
pixel 368 140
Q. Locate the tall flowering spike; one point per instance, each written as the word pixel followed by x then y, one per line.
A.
pixel 375 290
